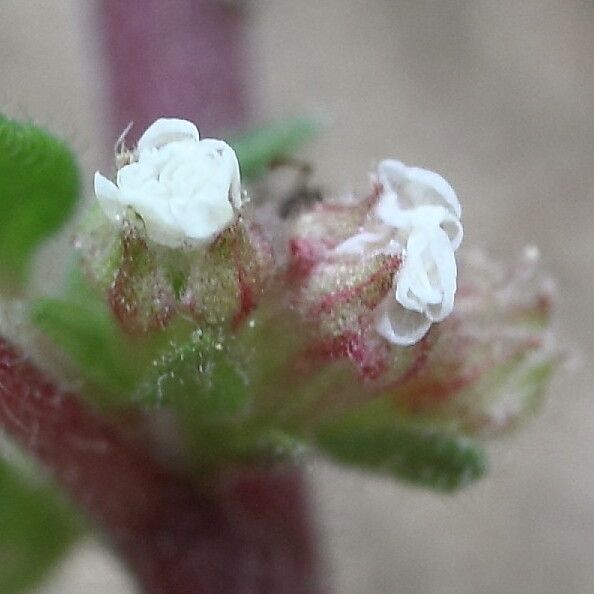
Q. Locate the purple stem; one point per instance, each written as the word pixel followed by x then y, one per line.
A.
pixel 181 58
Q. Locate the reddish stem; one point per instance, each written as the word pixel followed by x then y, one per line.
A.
pixel 246 531
pixel 183 59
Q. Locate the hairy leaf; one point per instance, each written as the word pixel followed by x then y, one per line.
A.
pixel 39 185
pixel 422 456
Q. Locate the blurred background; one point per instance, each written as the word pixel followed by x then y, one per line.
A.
pixel 498 97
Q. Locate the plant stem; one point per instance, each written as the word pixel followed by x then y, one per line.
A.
pixel 187 59
pixel 244 531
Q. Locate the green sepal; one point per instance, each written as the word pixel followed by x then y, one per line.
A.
pixel 39 186
pixel 257 149
pixel 36 530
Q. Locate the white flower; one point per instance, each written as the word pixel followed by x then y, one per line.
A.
pixel 417 217
pixel 186 190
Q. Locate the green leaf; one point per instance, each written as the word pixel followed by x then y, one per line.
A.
pixel 257 149
pixel 36 530
pixel 422 456
pixel 39 185
pixel 82 325
pixel 91 337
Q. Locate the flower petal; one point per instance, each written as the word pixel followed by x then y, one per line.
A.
pixel 155 212
pixel 445 263
pixel 391 174
pixel 108 195
pixel 452 227
pixel 203 219
pixel 228 170
pixel 432 218
pixel 360 244
pixel 414 287
pixel 416 186
pixel 389 212
pixel 166 130
pixel 399 325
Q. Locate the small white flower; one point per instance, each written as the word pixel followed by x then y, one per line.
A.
pixel 417 217
pixel 186 190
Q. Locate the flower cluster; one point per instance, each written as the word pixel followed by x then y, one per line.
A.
pixel 400 245
pixel 370 282
pixel 375 274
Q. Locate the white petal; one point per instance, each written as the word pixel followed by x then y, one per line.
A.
pixel 426 281
pixel 108 195
pixel 434 189
pixel 445 262
pixel 432 218
pixel 359 244
pixel 228 167
pixel 452 227
pixel 155 212
pixel 391 173
pixel 414 288
pixel 134 176
pixel 166 130
pixel 416 186
pixel 389 212
pixel 203 218
pixel 399 325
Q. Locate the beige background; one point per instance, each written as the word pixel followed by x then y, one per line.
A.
pixel 498 96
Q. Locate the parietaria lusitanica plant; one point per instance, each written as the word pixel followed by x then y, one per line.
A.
pixel 365 336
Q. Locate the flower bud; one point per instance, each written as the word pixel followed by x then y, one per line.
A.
pixel 169 238
pixel 383 266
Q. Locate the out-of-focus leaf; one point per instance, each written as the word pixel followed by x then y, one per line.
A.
pixel 257 149
pixel 36 529
pixel 39 185
pixel 423 456
pixel 91 337
pixel 82 325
